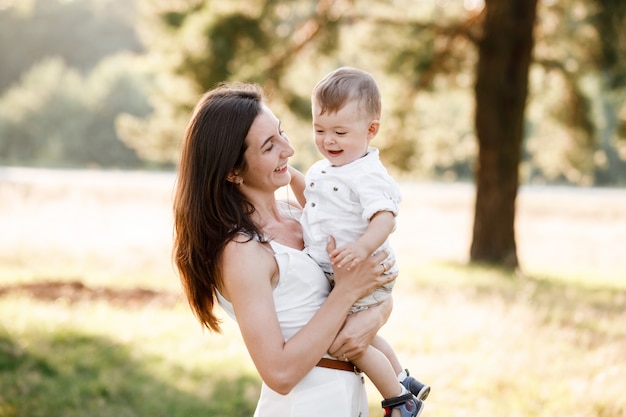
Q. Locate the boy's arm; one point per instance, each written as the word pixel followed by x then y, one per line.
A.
pixel 380 227
pixel 297 185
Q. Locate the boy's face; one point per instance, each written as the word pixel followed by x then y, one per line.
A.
pixel 343 137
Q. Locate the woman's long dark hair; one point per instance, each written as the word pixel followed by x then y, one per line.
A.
pixel 209 210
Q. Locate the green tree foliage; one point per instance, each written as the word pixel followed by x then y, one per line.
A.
pixel 197 44
pixel 422 53
pixel 609 18
pixel 432 51
pixel 56 117
pixel 65 82
pixel 423 56
pixel 80 32
pixel 577 93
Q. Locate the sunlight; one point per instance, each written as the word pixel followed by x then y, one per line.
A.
pixel 22 6
pixel 473 5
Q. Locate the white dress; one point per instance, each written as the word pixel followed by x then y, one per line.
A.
pixel 301 290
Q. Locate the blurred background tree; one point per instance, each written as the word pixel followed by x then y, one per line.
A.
pixel 81 32
pixel 424 54
pixel 504 55
pixel 54 117
pixel 69 69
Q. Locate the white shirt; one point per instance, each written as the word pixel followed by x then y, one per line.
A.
pixel 340 202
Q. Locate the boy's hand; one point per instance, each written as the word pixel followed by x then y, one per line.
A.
pixel 348 255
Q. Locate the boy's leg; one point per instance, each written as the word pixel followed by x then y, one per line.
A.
pixel 382 345
pixel 399 402
pixel 378 369
pixel 417 388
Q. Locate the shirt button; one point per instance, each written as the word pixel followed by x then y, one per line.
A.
pixel 312 204
pixel 312 184
pixel 335 189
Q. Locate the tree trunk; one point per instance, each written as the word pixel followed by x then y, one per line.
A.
pixel 501 89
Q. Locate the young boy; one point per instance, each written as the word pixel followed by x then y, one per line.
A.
pixel 349 195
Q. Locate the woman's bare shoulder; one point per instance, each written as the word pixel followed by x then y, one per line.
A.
pixel 242 259
pixel 242 243
pixel 242 248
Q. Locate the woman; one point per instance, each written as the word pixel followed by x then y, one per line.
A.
pixel 234 243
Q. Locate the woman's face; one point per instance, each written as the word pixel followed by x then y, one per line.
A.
pixel 267 154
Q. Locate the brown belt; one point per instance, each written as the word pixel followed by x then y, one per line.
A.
pixel 339 365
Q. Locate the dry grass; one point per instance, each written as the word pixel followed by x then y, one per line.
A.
pixel 516 348
pixel 566 233
pixel 551 344
pixel 88 226
pixel 117 223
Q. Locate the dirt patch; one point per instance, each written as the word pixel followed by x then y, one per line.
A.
pixel 72 292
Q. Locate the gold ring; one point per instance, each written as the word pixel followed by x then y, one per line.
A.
pixel 345 358
pixel 384 265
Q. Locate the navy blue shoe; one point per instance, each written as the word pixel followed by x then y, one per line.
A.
pixel 416 388
pixel 409 405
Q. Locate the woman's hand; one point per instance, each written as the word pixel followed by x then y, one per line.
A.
pixel 359 331
pixel 361 279
pixel 360 328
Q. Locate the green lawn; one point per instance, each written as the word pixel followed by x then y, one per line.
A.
pixel 489 344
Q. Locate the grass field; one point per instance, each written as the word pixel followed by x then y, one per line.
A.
pixel 92 322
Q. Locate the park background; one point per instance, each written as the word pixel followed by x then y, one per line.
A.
pixel 92 97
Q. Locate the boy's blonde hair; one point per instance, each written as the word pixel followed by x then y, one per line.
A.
pixel 345 84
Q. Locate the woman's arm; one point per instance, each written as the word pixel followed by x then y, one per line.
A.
pixel 249 269
pixel 359 330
